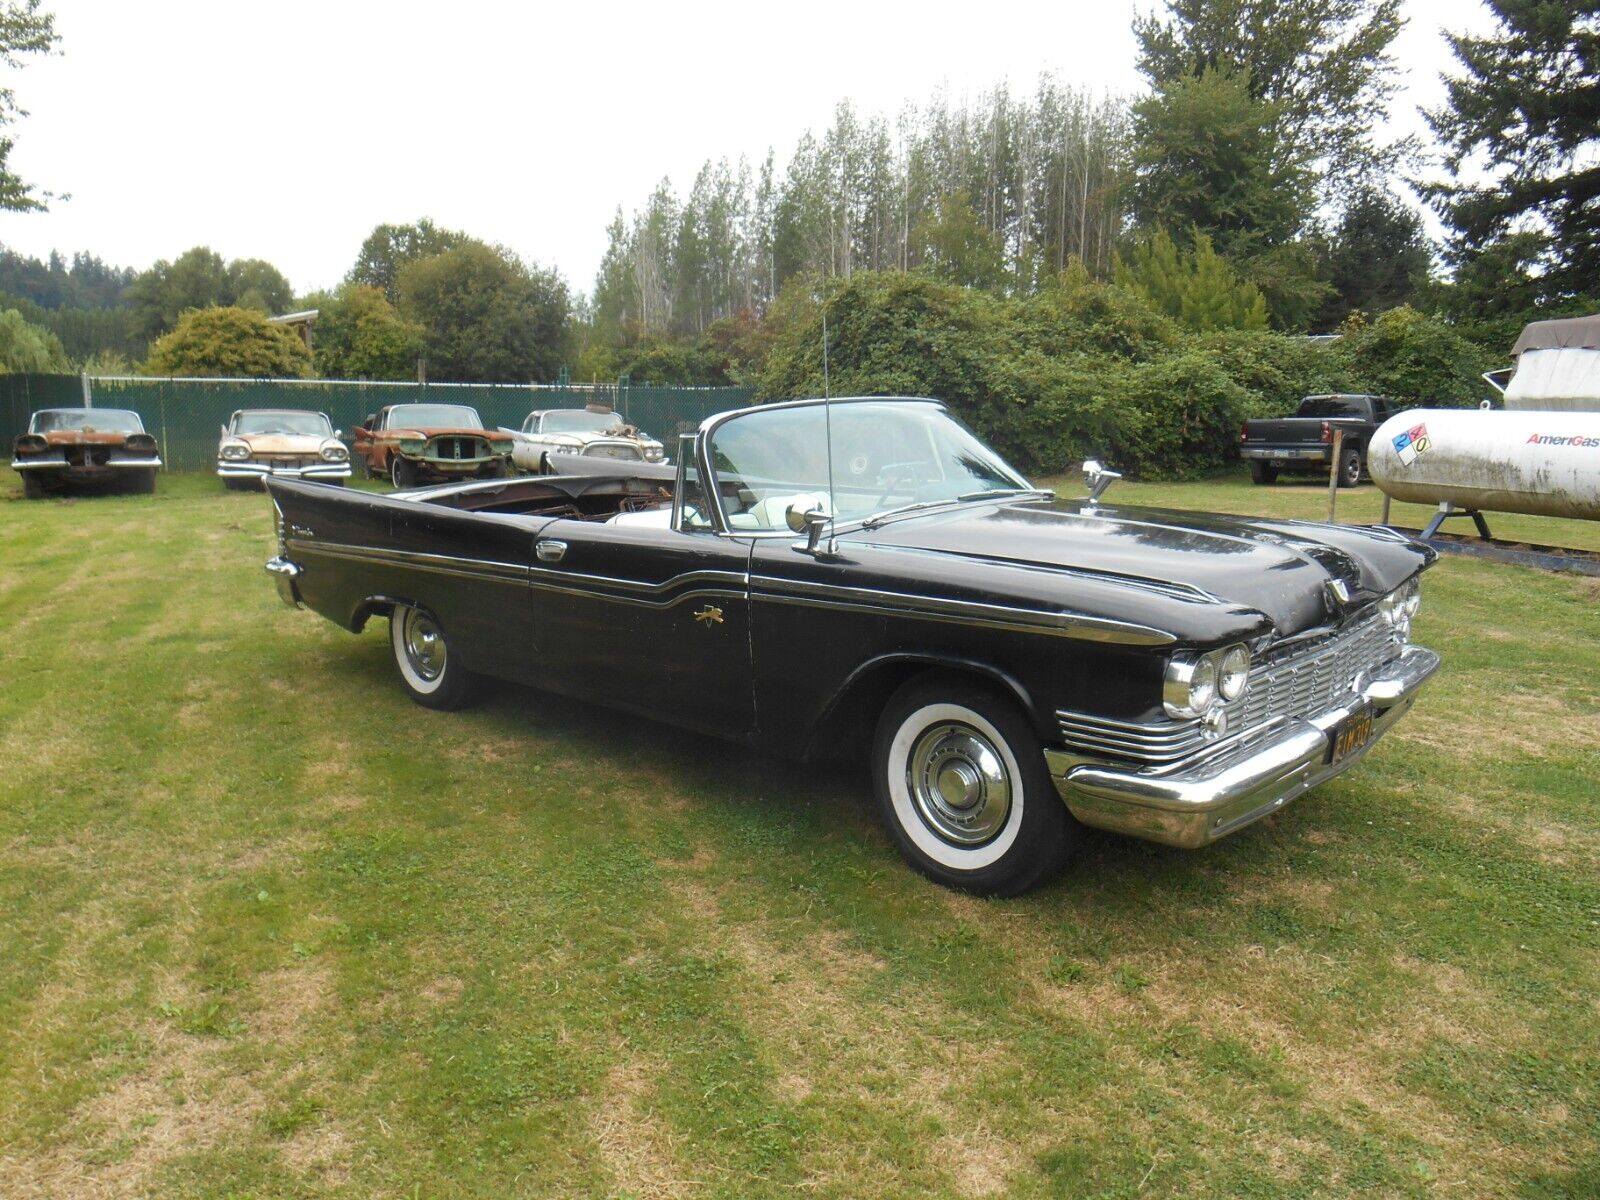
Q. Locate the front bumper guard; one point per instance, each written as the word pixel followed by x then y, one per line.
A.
pixel 1224 788
pixel 284 573
pixel 59 463
pixel 228 469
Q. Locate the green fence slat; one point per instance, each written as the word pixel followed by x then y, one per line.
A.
pixel 186 415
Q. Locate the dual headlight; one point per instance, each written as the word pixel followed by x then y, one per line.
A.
pixel 235 452
pixel 334 452
pixel 1400 606
pixel 654 454
pixel 1194 682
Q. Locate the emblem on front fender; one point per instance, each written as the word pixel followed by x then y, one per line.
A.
pixel 711 616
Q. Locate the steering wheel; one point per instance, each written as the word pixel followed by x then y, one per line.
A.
pixel 889 473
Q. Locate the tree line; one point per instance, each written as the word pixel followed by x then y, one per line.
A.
pixel 1248 189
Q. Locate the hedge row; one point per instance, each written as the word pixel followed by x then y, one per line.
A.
pixel 1087 369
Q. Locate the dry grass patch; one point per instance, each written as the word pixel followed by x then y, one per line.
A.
pixel 638 1149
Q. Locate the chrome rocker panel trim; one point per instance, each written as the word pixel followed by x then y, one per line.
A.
pixel 1226 787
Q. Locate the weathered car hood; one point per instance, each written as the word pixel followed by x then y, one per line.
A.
pixel 281 443
pixel 1281 569
pixel 82 437
pixel 431 431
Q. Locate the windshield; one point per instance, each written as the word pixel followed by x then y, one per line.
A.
pixel 86 420
pixel 886 454
pixel 1334 406
pixel 433 416
pixel 577 420
pixel 309 423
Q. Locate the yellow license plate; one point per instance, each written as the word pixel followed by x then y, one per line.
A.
pixel 1352 733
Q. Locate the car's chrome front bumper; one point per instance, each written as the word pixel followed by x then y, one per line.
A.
pixel 255 470
pixel 59 462
pixel 1226 787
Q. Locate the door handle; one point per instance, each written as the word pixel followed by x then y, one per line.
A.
pixel 550 550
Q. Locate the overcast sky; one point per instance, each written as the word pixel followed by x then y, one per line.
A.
pixel 286 132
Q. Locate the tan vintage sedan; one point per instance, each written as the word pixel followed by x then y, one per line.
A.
pixel 286 443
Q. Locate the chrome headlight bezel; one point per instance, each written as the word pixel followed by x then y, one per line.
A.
pixel 1400 606
pixel 1193 685
pixel 1190 685
pixel 1233 673
pixel 234 452
pixel 334 452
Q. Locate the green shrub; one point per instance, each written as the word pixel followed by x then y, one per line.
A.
pixel 1276 370
pixel 1415 359
pixel 229 343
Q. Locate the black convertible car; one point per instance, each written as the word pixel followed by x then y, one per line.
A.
pixel 866 575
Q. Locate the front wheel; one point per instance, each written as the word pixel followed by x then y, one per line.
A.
pixel 403 473
pixel 963 789
pixel 32 486
pixel 1350 468
pixel 143 482
pixel 432 675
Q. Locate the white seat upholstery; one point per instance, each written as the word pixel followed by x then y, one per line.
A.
pixel 649 518
pixel 773 512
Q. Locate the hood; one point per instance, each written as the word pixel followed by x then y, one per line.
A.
pixel 586 437
pixel 80 437
pixel 1281 569
pixel 282 443
pixel 433 431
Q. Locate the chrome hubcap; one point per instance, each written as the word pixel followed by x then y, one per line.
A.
pixel 424 645
pixel 958 782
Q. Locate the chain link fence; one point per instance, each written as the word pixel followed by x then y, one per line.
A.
pixel 186 415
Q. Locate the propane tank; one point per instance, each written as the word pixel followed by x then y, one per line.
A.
pixel 1544 463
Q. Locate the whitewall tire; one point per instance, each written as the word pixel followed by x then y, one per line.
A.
pixel 431 673
pixel 963 788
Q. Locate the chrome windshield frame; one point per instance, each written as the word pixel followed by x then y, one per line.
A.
pixel 709 427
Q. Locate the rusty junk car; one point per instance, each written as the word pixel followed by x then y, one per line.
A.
pixel 587 432
pixel 287 443
pixel 67 448
pixel 410 444
pixel 867 576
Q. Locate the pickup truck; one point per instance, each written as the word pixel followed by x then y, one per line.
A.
pixel 1303 443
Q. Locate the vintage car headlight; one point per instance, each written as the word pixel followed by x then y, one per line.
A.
pixel 1400 605
pixel 31 443
pixel 236 452
pixel 654 453
pixel 334 452
pixel 413 445
pixel 1233 672
pixel 1190 685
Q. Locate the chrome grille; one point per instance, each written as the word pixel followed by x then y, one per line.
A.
pixel 621 451
pixel 1303 677
pixel 1309 676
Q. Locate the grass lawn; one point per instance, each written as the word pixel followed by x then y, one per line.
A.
pixel 267 928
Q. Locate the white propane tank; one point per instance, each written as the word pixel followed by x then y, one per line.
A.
pixel 1545 463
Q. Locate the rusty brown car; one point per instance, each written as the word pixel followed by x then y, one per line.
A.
pixel 67 448
pixel 287 443
pixel 431 443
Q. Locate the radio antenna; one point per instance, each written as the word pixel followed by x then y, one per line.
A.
pixel 827 405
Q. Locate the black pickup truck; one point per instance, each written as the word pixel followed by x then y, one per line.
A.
pixel 1303 443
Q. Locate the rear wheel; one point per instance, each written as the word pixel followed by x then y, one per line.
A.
pixel 1260 472
pixel 1350 468
pixel 963 789
pixel 422 652
pixel 403 473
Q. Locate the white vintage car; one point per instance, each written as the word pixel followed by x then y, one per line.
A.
pixel 281 442
pixel 579 431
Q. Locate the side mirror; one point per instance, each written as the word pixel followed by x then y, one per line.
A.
pixel 338 433
pixel 800 510
pixel 1097 479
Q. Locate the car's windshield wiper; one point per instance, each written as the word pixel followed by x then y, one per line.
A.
pixel 877 519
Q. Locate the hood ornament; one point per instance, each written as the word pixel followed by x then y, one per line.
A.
pixel 1097 479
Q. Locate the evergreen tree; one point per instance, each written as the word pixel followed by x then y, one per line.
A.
pixel 1528 109
pixel 1324 67
pixel 1199 287
pixel 1378 259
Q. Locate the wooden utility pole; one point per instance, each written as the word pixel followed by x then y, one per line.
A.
pixel 1333 473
